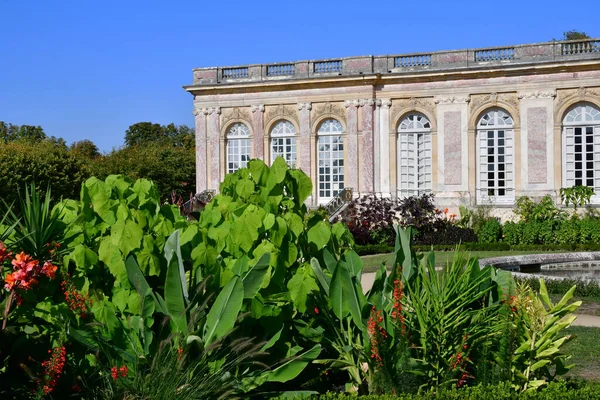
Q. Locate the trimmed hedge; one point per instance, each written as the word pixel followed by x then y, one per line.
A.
pixel 383 248
pixel 571 390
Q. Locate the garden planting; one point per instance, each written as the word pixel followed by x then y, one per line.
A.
pixel 115 295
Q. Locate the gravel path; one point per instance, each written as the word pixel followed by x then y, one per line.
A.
pixel 582 320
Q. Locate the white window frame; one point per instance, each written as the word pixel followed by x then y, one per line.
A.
pixel 283 143
pixel 330 133
pixel 495 158
pixel 238 148
pixel 414 161
pixel 584 118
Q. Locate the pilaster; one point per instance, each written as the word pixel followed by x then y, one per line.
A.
pixel 537 143
pixel 201 149
pixel 216 147
pixel 366 154
pixel 454 161
pixel 351 145
pixel 384 158
pixel 258 128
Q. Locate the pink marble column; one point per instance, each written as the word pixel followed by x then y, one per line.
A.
pixel 366 157
pixel 201 149
pixel 215 148
pixel 304 139
pixel 351 143
pixel 259 130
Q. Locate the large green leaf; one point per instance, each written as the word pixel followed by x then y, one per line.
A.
pixel 126 235
pixel 324 280
pixel 245 229
pixel 300 286
pixel 175 285
pixel 111 256
pixel 173 254
pixel 254 279
pixel 292 368
pixel 224 312
pixel 342 294
pixel 319 234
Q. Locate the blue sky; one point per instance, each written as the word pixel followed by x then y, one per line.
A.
pixel 89 69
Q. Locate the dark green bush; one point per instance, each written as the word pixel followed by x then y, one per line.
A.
pixel 512 233
pixel 567 232
pixel 44 163
pixel 583 288
pixel 491 231
pixel 570 390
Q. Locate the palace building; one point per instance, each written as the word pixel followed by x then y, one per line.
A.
pixel 477 126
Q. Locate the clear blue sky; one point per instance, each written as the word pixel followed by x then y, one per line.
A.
pixel 87 69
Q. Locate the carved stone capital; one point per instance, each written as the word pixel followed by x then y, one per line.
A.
pixel 214 110
pixel 386 103
pixel 352 103
pixel 302 106
pixel 258 107
pixel 197 111
pixel 366 102
pixel 452 99
pixel 538 94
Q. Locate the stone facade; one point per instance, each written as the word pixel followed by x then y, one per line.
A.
pixel 532 86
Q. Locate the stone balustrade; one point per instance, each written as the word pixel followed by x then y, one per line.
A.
pixel 497 57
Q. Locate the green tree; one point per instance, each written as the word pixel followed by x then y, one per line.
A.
pixel 148 132
pixel 173 169
pixel 575 35
pixel 85 149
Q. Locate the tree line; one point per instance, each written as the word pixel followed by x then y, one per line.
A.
pixel 162 153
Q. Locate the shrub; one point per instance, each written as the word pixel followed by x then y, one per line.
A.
pixel 512 233
pixel 44 163
pixel 566 232
pixel 491 231
pixel 543 210
pixel 370 219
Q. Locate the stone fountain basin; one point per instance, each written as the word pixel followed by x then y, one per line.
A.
pixel 527 265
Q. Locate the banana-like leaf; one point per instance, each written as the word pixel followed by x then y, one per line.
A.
pixel 344 299
pixel 323 279
pixel 254 278
pixel 173 248
pixel 293 367
pixel 272 341
pixel 224 312
pixel 355 264
pixel 137 279
pixel 174 285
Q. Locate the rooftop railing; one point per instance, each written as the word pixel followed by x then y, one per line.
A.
pixel 500 57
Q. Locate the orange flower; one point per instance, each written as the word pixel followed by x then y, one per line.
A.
pixel 10 281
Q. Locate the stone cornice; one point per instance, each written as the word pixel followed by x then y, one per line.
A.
pixel 452 99
pixel 539 94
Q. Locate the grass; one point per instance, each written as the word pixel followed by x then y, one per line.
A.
pixel 585 352
pixel 372 262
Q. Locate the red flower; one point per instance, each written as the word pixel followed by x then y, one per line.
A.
pixel 49 269
pixel 53 368
pixel 316 311
pixel 376 333
pixel 4 253
pixel 114 372
pixel 124 371
pixel 78 303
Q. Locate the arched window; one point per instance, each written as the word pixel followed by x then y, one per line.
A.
pixel 283 142
pixel 330 158
pixel 414 155
pixel 238 147
pixel 581 148
pixel 495 165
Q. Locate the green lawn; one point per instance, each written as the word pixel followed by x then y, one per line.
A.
pixel 372 263
pixel 585 351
